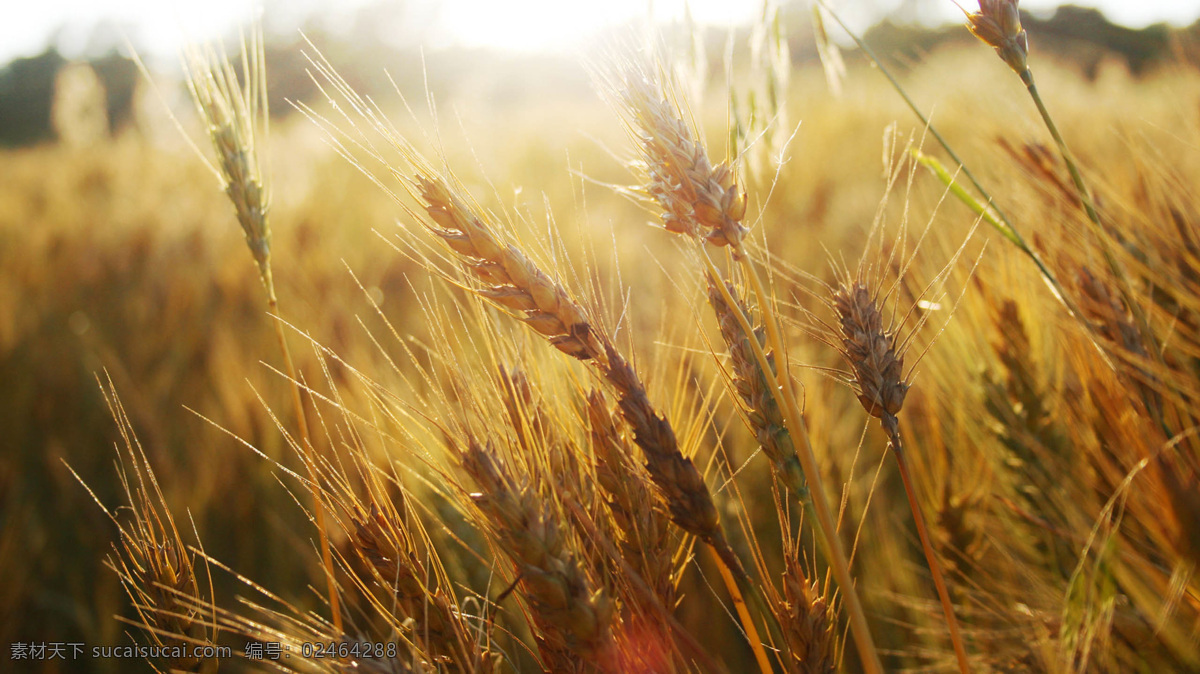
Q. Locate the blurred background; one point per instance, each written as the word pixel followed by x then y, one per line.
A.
pixel 363 37
pixel 119 254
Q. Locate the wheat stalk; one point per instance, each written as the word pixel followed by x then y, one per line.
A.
pixel 235 116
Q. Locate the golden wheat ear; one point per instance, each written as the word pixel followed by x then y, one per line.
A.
pixel 383 542
pixel 573 617
pixel 678 181
pixel 998 24
pixel 510 279
pixel 870 349
pixel 760 406
pixel 234 113
pixel 809 623
pixel 644 532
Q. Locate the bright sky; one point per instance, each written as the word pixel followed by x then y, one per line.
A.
pixel 162 26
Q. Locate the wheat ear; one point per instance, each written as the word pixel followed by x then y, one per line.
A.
pixel 384 544
pixel 750 383
pixel 644 533
pixel 155 567
pixel 508 278
pixel 808 622
pixel 573 618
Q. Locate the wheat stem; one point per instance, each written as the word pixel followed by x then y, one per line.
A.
pixel 307 446
pixel 1089 207
pixel 891 426
pixel 739 604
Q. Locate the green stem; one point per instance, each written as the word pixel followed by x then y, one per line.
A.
pixel 1072 167
pixel 1093 216
pixel 1009 230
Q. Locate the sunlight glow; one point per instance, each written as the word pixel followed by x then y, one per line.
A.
pixel 161 27
pixel 533 25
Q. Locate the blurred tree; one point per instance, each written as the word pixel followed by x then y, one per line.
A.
pixel 1086 36
pixel 26 98
pixel 119 75
pixel 27 90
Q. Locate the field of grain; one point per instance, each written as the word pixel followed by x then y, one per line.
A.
pixel 584 377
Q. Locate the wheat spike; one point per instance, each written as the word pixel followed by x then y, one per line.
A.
pixel 513 281
pixel 693 196
pixel 510 279
pixel 870 349
pixel 762 409
pixel 384 544
pixel 573 617
pixel 644 532
pixel 998 24
pixel 808 621
pixel 235 118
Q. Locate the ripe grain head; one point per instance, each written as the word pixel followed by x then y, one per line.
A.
pixel 691 195
pixel 572 615
pixel 998 24
pixel 235 117
pixel 871 350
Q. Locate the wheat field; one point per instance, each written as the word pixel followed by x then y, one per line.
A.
pixel 665 369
